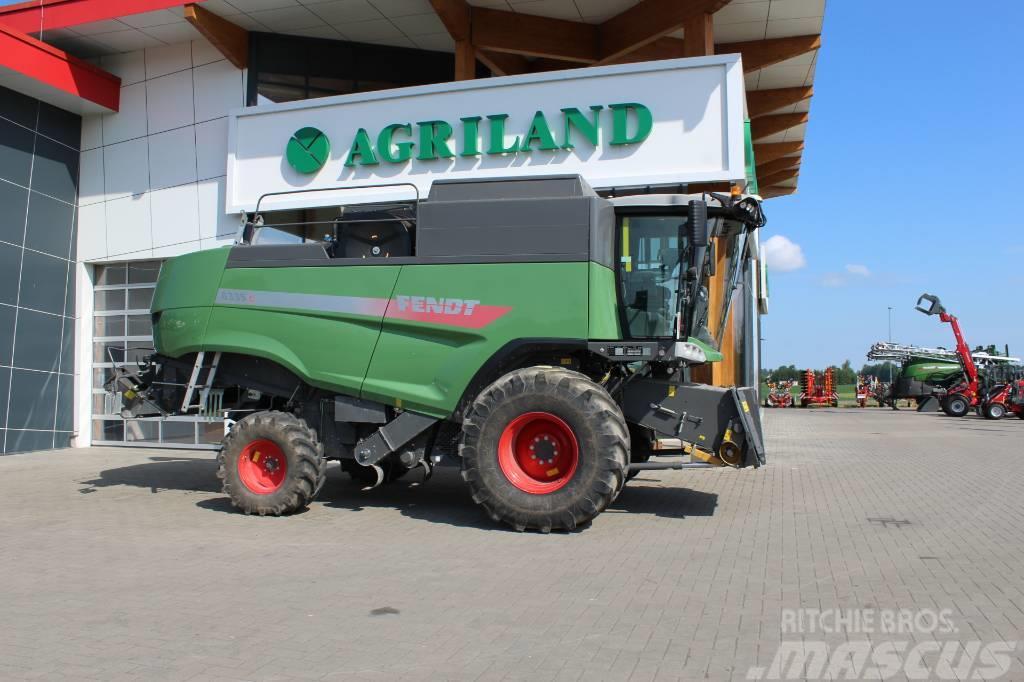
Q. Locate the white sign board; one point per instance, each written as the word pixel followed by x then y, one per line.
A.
pixel 653 123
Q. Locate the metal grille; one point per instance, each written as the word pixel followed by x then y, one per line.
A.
pixel 123 331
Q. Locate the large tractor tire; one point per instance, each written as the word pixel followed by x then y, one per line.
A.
pixel 994 411
pixel 956 405
pixel 544 448
pixel 271 463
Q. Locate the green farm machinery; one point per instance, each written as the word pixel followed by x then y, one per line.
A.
pixel 535 333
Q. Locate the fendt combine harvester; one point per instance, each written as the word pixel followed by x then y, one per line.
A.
pixel 537 334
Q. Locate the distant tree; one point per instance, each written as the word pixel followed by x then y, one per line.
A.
pixel 882 370
pixel 845 374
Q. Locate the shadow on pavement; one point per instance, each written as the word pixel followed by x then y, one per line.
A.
pixel 445 499
pixel 161 473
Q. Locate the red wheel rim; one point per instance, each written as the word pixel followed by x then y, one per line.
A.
pixel 262 466
pixel 538 453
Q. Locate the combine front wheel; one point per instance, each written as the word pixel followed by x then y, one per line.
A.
pixel 544 448
pixel 271 463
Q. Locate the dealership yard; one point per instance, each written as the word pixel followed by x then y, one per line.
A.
pixel 120 563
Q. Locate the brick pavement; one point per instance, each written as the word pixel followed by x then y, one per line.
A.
pixel 128 564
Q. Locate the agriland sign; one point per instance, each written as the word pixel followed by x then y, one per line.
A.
pixel 476 135
pixel 678 121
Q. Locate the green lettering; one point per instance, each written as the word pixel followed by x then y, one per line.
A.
pixel 620 118
pixel 434 140
pixel 395 152
pixel 540 132
pixel 470 136
pixel 589 128
pixel 362 149
pixel 497 141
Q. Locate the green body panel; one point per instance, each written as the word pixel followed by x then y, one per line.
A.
pixel 931 370
pixel 604 307
pixel 327 349
pixel 184 295
pixel 420 365
pixel 428 366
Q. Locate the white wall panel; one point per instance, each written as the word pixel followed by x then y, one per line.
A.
pixel 214 225
pixel 175 217
pixel 172 158
pixel 92 233
pixel 90 168
pixel 212 148
pixel 130 120
pixel 161 61
pixel 218 89
pixel 126 168
pixel 92 132
pixel 204 53
pixel 128 228
pixel 167 101
pixel 130 67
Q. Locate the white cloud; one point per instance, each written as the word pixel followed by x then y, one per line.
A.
pixel 857 269
pixel 783 255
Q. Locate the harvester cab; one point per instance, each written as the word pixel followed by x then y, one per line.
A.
pixel 538 334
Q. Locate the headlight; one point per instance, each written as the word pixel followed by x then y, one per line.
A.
pixel 690 352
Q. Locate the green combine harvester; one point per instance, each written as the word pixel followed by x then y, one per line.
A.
pixel 537 334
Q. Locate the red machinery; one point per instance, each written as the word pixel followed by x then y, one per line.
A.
pixel 1003 399
pixel 865 390
pixel 779 394
pixel 818 389
pixel 962 397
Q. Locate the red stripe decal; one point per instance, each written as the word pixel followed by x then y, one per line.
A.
pixel 450 312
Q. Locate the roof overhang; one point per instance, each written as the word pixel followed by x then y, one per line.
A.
pixel 51 75
pixel 43 15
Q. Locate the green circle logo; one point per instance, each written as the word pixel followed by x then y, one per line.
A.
pixel 308 150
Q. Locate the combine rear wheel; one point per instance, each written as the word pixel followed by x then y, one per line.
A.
pixel 544 448
pixel 956 405
pixel 271 463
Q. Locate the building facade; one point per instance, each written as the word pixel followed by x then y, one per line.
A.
pixel 105 175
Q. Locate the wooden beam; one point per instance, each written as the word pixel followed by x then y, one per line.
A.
pixel 699 36
pixel 771 192
pixel 761 102
pixel 648 21
pixel 534 36
pixel 465 61
pixel 769 151
pixel 545 64
pixel 764 126
pixel 505 64
pixel 758 54
pixel 662 48
pixel 769 167
pixel 456 17
pixel 776 178
pixel 230 39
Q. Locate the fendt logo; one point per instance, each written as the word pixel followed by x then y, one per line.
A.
pixel 308 150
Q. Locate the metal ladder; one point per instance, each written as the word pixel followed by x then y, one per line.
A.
pixel 204 384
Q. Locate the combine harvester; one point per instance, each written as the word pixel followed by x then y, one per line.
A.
pixel 818 389
pixel 499 314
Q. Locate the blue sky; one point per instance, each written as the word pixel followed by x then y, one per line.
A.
pixel 912 167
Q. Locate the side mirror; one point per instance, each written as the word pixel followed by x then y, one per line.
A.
pixel 697 223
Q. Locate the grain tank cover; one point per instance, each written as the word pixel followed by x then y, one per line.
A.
pixel 557 218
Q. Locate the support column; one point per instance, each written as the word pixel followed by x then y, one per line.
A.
pixel 465 60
